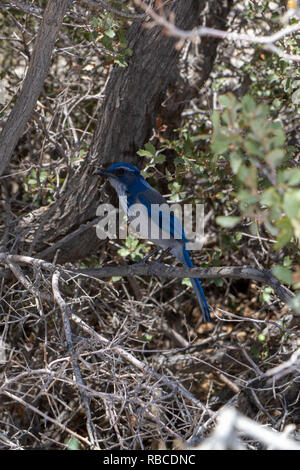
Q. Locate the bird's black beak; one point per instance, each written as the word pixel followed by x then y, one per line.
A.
pixel 100 172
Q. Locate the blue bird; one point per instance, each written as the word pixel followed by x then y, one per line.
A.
pixel 169 235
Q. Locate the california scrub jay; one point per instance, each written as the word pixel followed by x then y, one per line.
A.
pixel 127 180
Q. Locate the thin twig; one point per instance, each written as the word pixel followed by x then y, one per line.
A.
pixel 102 5
pixel 66 313
pixel 164 380
pixel 29 9
pixel 160 19
pixel 28 405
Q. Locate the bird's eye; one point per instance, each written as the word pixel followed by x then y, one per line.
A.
pixel 120 171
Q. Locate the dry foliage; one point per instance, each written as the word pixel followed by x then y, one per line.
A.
pixel 133 373
pixel 120 364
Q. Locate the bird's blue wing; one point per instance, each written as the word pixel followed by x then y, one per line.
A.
pixel 161 213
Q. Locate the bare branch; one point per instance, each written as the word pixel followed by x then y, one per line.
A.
pixel 163 270
pixel 28 405
pixel 66 312
pixel 231 423
pixel 160 19
pixel 163 379
pixel 102 5
pixel 31 10
pixel 34 80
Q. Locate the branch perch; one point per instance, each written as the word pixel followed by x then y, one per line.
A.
pixel 161 270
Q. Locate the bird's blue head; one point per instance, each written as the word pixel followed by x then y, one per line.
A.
pixel 121 175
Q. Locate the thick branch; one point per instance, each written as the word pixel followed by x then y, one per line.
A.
pixel 161 270
pixel 34 80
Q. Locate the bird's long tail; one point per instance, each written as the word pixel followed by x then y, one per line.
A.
pixel 185 259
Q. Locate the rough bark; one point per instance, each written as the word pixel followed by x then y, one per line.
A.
pixel 135 94
pixel 34 81
pixel 127 117
pixel 216 17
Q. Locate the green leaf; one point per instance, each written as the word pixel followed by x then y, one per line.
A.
pixel 238 236
pixel 107 42
pixel 120 61
pixel 261 338
pixel 266 295
pixel 283 274
pixel 151 149
pixel 270 197
pixel 43 175
pixel 274 157
pixel 295 303
pixel 248 175
pixel 94 22
pixel 123 252
pixel 227 221
pixel 287 261
pixel 110 33
pixel 247 197
pixel 285 232
pixel 254 147
pixel 291 203
pixel 220 143
pixel 215 119
pixel 228 100
pixel 186 282
pixel 73 444
pixel 235 162
pixel 147 337
pixel 144 153
pixel 128 52
pixel 291 176
pixel 161 158
pixel 279 135
pixel 248 104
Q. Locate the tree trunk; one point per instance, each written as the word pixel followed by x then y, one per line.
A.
pixel 216 17
pixel 134 95
pixel 126 120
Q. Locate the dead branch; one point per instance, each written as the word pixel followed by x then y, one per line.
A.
pixel 102 5
pixel 163 270
pixel 163 380
pixel 29 9
pixel 231 423
pixel 267 42
pixel 34 80
pixel 44 415
pixel 66 313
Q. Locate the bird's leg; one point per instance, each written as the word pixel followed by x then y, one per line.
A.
pixel 149 255
pixel 156 250
pixel 164 253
